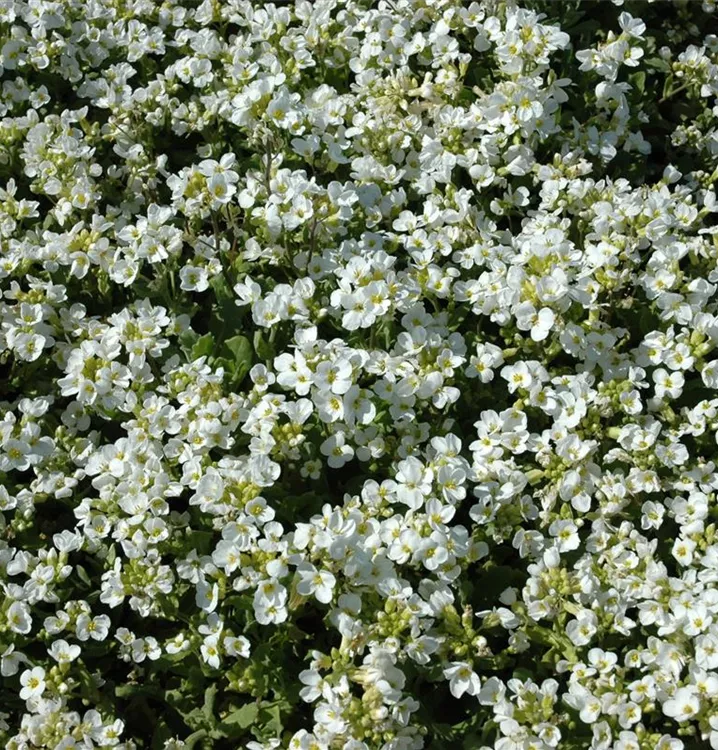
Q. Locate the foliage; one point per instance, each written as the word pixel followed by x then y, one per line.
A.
pixel 358 374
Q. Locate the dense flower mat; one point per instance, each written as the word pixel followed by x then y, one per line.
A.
pixel 358 374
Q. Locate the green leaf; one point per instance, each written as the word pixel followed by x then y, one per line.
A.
pixel 187 340
pixel 194 738
pixel 240 719
pixel 487 728
pixel 472 741
pixel 195 719
pixel 161 734
pixel 658 63
pixel 273 725
pixel 130 690
pixel 203 347
pixel 265 350
pixel 522 674
pixel 223 294
pixel 668 86
pixel 208 709
pixel 648 321
pixel 226 315
pixel 240 266
pixel 82 575
pixel 585 27
pixel 638 80
pixel 238 353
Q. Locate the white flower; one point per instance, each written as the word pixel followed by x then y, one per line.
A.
pixel 462 679
pixel 33 683
pixel 63 652
pixel 194 278
pixel 517 376
pixel 538 322
pixel 178 644
pixel 683 550
pixel 18 618
pixel 10 661
pixel 210 651
pixel 582 629
pixel 668 383
pixel 318 583
pixel 337 451
pixel 683 705
pixel 237 646
pixel 207 596
pixel 480 338
pixel 566 534
pixel 96 627
pixel 414 482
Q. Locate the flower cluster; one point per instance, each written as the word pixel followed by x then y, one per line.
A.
pixel 358 375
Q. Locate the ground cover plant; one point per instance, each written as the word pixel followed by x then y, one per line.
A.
pixel 358 374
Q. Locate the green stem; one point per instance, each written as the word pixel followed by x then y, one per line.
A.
pixel 674 92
